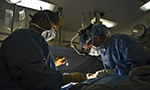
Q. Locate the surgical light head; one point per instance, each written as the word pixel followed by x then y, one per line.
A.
pixel 96 29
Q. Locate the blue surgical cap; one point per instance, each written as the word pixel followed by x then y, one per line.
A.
pixel 97 29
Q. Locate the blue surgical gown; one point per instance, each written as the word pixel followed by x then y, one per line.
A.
pixel 26 63
pixel 123 52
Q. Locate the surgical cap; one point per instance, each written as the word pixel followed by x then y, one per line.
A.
pixel 97 29
pixel 41 14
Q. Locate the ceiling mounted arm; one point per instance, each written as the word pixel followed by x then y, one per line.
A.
pixel 98 15
pixel 83 20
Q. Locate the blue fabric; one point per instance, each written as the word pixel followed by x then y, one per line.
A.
pixel 52 62
pixel 77 63
pixel 26 63
pixel 97 29
pixel 66 87
pixel 49 58
pixel 109 81
pixel 124 53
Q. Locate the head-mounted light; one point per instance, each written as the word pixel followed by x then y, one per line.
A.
pixel 82 32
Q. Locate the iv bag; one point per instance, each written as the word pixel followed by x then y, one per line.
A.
pixel 21 19
pixel 8 19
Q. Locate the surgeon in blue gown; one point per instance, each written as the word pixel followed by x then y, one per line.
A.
pixel 120 53
pixel 26 62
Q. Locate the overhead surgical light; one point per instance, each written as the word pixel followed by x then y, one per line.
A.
pixel 33 4
pixel 146 6
pixel 107 23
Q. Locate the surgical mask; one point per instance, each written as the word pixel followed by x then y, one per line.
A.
pixel 49 34
pixel 96 51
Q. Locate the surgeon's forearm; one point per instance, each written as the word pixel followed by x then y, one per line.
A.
pixel 67 79
pixel 110 72
pixel 104 73
pixel 74 77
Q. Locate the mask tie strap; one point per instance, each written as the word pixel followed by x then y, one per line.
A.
pixel 48 19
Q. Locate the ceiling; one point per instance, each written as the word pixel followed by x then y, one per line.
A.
pixel 123 12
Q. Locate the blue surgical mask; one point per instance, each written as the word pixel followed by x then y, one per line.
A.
pixel 96 51
pixel 49 34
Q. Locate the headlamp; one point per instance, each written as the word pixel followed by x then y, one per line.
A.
pixel 82 32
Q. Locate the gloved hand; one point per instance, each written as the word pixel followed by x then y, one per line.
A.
pixel 75 77
pixel 102 73
pixel 78 77
pixel 60 60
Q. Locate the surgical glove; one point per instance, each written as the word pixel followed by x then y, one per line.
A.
pixel 90 75
pixel 60 60
pixel 102 73
pixel 105 72
pixel 75 77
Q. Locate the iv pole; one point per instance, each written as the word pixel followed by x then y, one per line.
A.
pixel 12 26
